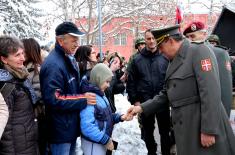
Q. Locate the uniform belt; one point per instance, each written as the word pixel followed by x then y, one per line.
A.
pixel 185 101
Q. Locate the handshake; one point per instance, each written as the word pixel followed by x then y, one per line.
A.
pixel 131 112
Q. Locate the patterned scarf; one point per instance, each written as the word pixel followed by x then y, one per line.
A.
pixel 18 73
pixel 22 74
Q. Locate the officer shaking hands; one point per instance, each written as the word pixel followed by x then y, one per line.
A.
pixel 192 89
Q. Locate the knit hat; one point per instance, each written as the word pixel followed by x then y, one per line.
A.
pixel 99 74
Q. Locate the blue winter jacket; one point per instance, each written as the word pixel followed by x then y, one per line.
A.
pixel 59 79
pixel 97 121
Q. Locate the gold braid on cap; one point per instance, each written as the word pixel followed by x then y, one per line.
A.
pixel 161 39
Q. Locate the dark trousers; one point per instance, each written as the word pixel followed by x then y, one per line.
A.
pixel 163 120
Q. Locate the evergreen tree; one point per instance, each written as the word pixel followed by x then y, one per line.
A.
pixel 20 18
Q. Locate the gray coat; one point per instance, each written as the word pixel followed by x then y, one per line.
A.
pixel 225 75
pixel 193 91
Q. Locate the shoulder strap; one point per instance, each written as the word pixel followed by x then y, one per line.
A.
pixel 7 89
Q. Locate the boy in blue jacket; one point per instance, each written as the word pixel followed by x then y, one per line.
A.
pixel 97 121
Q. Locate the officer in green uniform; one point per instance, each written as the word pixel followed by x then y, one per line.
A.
pixel 196 32
pixel 192 89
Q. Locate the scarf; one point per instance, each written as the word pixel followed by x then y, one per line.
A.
pixel 16 72
pixel 22 74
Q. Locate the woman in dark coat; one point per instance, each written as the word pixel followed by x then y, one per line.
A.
pixel 33 61
pixel 20 134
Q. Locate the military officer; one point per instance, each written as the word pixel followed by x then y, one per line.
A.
pixel 192 89
pixel 196 32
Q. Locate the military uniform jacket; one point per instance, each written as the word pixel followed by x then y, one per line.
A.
pixel 193 91
pixel 225 76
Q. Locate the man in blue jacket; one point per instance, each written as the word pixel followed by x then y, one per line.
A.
pixel 59 79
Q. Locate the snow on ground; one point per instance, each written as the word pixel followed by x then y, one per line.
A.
pixel 126 133
pixel 232 120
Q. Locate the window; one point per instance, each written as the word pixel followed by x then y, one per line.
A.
pixel 123 39
pixel 120 39
pixel 96 41
pixel 83 40
pixel 116 40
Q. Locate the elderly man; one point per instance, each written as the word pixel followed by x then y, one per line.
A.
pixel 59 79
pixel 192 88
pixel 196 32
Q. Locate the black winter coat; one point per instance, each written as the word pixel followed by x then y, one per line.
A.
pixel 20 134
pixel 146 76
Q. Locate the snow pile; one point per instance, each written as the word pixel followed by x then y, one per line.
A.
pixel 127 134
pixel 232 120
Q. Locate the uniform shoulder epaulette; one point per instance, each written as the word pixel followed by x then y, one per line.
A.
pixel 198 42
pixel 223 47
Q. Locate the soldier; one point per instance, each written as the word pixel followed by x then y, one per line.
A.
pixel 196 32
pixel 213 39
pixel 139 45
pixel 192 88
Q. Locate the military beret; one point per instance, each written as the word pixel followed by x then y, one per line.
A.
pixel 68 28
pixel 161 34
pixel 193 27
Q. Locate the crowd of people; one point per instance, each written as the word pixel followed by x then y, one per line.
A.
pixel 183 80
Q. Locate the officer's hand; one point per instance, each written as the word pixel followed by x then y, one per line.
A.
pixel 91 98
pixel 134 110
pixel 109 145
pixel 126 117
pixel 207 140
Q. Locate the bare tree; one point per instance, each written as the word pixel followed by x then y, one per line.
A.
pixel 138 13
pixel 214 8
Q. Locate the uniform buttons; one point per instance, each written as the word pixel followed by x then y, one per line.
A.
pixel 174 85
pixel 174 123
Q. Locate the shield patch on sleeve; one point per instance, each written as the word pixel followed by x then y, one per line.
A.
pixel 206 65
pixel 228 66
